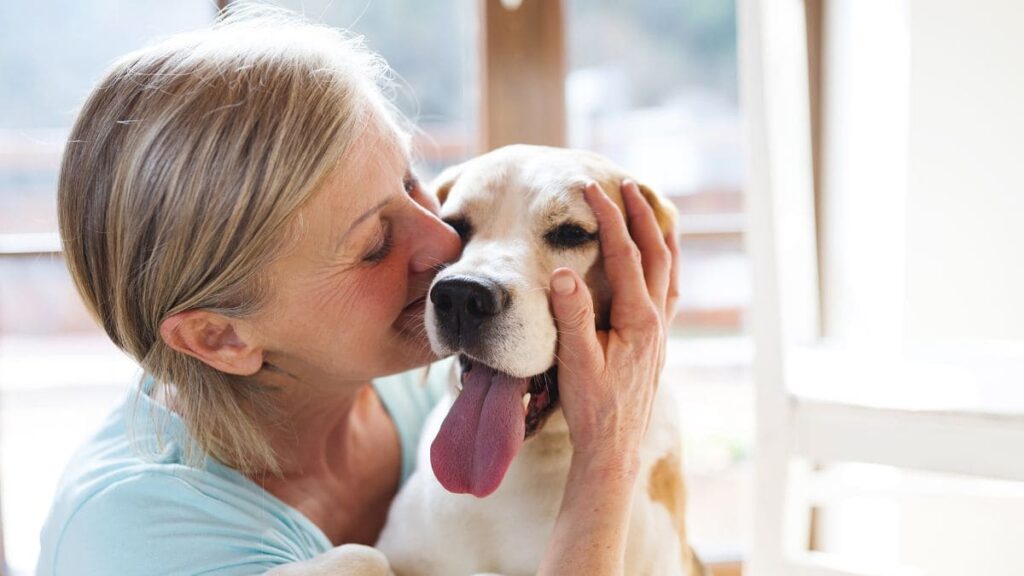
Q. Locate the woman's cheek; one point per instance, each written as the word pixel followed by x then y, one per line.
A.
pixel 382 292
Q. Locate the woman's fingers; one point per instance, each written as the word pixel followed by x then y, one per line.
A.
pixel 579 350
pixel 654 254
pixel 622 261
pixel 672 297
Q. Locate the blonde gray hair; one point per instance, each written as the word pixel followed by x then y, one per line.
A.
pixel 181 180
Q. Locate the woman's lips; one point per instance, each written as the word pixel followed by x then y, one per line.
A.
pixel 411 317
pixel 416 305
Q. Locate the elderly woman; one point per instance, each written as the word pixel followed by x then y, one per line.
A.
pixel 238 211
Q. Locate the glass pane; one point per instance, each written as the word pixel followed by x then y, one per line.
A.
pixel 51 53
pixel 653 85
pixel 431 47
pixel 38 298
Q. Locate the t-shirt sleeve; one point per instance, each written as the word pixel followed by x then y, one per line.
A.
pixel 163 524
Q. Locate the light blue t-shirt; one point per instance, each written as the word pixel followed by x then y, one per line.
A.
pixel 124 511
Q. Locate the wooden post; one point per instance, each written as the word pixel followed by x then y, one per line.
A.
pixel 522 81
pixel 814 12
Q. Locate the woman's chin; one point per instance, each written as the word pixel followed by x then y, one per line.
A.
pixel 413 349
pixel 410 357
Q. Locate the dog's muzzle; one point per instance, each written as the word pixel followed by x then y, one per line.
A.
pixel 464 307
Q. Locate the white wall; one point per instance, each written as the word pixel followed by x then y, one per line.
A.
pixel 923 157
pixel 866 84
pixel 965 224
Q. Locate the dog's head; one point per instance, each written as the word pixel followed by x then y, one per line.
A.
pixel 521 213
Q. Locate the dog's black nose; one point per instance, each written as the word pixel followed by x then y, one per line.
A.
pixel 463 305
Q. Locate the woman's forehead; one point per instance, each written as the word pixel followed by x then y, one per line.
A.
pixel 370 174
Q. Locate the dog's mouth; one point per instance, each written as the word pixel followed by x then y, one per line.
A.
pixel 542 394
pixel 487 425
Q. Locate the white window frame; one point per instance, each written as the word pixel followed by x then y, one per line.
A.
pixel 794 433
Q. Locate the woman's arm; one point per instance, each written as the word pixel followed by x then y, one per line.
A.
pixel 607 382
pixel 590 532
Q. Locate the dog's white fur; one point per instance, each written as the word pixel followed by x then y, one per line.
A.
pixel 346 560
pixel 511 197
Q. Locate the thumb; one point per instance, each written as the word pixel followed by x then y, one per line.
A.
pixel 573 308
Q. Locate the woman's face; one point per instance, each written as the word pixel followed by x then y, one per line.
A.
pixel 347 298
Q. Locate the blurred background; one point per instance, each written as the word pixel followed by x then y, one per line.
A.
pixel 848 175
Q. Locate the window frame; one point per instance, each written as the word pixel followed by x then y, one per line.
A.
pixel 781 43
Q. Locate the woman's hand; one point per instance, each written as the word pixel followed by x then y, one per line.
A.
pixel 607 380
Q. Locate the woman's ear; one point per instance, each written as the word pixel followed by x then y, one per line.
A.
pixel 442 185
pixel 219 341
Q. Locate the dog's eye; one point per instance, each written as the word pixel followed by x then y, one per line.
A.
pixel 461 226
pixel 569 236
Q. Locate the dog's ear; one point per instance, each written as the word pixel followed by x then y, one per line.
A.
pixel 664 210
pixel 444 182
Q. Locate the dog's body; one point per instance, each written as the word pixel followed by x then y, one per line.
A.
pixel 521 212
pixel 431 531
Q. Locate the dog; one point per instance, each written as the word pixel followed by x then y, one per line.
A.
pixel 490 474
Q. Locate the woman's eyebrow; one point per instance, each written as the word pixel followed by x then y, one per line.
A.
pixel 360 219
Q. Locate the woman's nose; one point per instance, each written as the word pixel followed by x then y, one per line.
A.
pixel 437 244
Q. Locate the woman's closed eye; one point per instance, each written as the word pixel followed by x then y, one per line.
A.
pixel 383 242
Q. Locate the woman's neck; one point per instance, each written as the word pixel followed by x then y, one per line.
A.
pixel 340 459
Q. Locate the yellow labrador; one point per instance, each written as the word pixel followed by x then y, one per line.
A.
pixel 495 454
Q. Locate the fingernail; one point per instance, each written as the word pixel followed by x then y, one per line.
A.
pixel 630 184
pixel 563 284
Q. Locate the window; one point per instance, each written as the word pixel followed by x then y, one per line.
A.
pixel 431 48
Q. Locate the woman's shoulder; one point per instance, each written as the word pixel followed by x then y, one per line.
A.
pixel 129 503
pixel 156 521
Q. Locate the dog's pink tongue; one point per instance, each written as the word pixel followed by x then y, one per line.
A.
pixel 482 433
